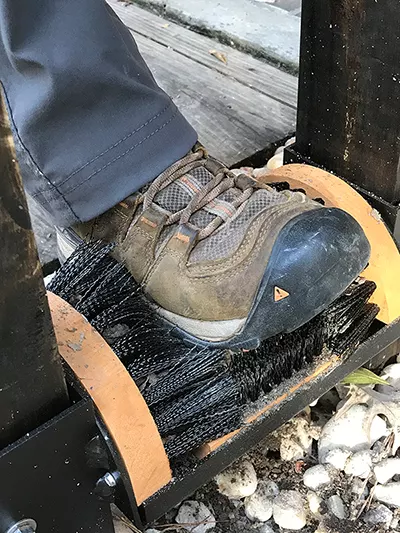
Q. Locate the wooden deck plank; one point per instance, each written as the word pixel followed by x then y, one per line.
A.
pixel 244 68
pixel 232 120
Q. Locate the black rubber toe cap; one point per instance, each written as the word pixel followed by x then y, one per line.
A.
pixel 316 257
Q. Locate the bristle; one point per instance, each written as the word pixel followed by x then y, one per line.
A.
pixel 345 344
pixel 199 365
pixel 192 407
pixel 196 394
pixel 220 422
pixel 86 263
pixel 109 292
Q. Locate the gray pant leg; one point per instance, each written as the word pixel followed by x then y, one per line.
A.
pixel 91 124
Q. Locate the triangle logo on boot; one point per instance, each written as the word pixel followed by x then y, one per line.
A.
pixel 280 294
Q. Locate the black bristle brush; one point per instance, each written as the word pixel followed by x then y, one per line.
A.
pixel 194 393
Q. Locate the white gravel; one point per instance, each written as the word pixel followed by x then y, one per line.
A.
pixel 347 431
pixel 336 506
pixel 289 510
pixel 237 481
pixel 258 506
pixel 379 515
pixel 389 494
pixel 195 516
pixel 337 458
pixel 359 464
pixel 317 477
pixel 386 469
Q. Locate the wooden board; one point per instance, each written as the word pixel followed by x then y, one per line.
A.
pixel 242 67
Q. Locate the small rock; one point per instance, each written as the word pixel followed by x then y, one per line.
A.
pixel 290 141
pixel 336 506
pixel 314 502
pixel 380 515
pixel 394 523
pixel 389 494
pixel 120 526
pixel 237 481
pixel 271 489
pixel 359 487
pixel 337 458
pixel 291 450
pixel 359 465
pixel 276 161
pixel 294 438
pixel 386 469
pixel 196 513
pixel 258 506
pixel 289 511
pixel 152 531
pixel 347 431
pixel 265 528
pixel 316 477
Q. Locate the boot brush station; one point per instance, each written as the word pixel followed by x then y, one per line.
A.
pixel 78 435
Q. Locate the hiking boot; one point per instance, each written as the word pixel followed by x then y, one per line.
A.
pixel 227 260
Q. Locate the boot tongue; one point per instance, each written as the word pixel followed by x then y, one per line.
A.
pixel 178 194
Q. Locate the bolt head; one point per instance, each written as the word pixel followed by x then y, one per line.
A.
pixel 105 487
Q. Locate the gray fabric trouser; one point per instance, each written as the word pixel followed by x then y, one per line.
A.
pixel 91 124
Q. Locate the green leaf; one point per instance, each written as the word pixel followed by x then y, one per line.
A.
pixel 363 376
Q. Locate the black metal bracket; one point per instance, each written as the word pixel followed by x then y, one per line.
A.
pixel 46 477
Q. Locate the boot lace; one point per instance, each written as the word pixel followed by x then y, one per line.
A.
pixel 221 182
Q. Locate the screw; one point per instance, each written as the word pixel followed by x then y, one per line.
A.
pixel 105 486
pixel 27 525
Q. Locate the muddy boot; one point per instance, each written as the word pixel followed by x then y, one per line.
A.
pixel 227 260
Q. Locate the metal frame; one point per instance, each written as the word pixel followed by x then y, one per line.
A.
pixel 32 384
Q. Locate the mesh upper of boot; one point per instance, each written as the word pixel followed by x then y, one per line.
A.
pixel 227 238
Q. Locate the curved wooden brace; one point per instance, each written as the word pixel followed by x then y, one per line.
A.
pixel 117 398
pixel 384 264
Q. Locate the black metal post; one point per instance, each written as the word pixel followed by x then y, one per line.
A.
pixel 32 385
pixel 349 92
